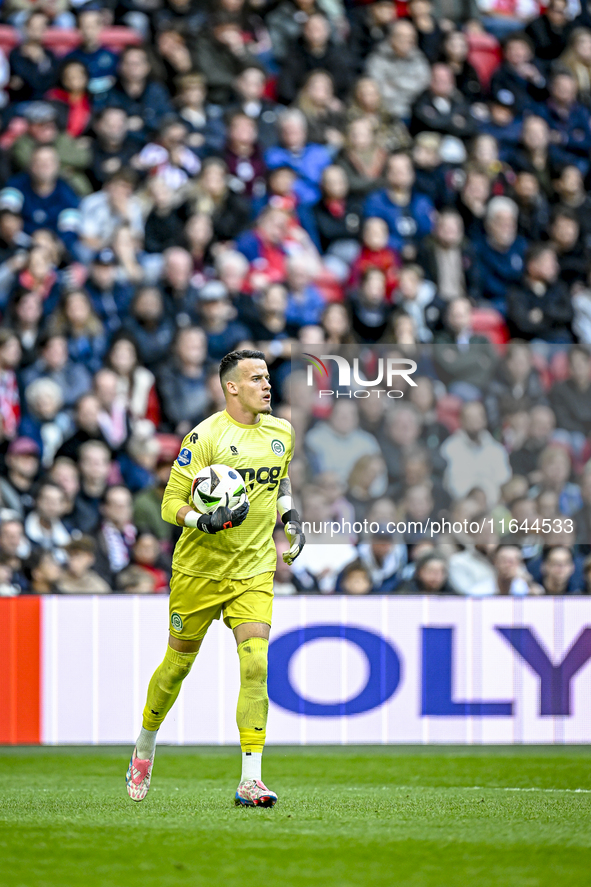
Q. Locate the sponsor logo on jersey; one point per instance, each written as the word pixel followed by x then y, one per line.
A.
pixel 234 451
pixel 277 447
pixel 184 457
pixel 176 622
pixel 265 476
pixel 194 437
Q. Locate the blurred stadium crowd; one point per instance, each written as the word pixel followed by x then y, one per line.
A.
pixel 180 178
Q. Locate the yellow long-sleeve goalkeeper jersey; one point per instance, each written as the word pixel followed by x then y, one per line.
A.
pixel 261 453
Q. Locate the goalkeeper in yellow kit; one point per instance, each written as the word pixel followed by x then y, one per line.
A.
pixel 224 562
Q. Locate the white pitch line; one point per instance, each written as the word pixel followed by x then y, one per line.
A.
pixel 488 788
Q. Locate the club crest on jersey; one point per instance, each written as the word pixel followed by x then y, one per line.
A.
pixel 277 447
pixel 176 622
pixel 184 457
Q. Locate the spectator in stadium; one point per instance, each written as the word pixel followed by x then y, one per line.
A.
pixel 355 578
pixel 408 214
pixel 45 420
pixel 540 307
pixel 116 535
pixel 72 99
pixel 362 157
pixel 103 213
pixel 10 406
pixel 214 197
pixel 42 130
pixel 370 26
pixel 429 577
pixel 525 458
pixel 55 363
pixel 78 577
pixel 181 381
pixel 294 151
pixel 249 88
pixel 324 113
pixel 43 198
pixel 220 52
pixel 455 53
pixel 569 123
pixel 466 370
pixel 549 32
pixel 441 108
pixel 474 458
pixel 429 33
pixel 516 385
pixel 558 571
pixel 555 467
pixel 136 385
pixel 150 327
pixel 43 525
pixel 312 51
pixel 400 68
pixel 43 572
pixel 99 62
pixel 243 154
pixel 305 303
pixel 84 333
pixel 520 74
pixel 33 68
pixel 94 463
pixel 571 399
pixel 577 60
pixel 570 190
pixel 501 252
pixel 534 211
pixel 338 443
pixel 113 145
pixel 384 558
pixel 449 258
pixel 17 484
pixel 571 252
pixel 145 101
pixel 217 319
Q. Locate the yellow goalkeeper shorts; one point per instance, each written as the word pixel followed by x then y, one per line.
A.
pixel 195 601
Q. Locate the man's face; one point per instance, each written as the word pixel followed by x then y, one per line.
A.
pixel 55 353
pixel 95 464
pixel 11 537
pixel 442 81
pixel 178 268
pixel 79 562
pixel 473 419
pixel 403 39
pixel 564 89
pixel 43 133
pixel 36 28
pixel 117 507
pixel 45 166
pixel 91 25
pixel 113 125
pixel 251 84
pixel 192 346
pixel 400 173
pixel 135 66
pixel 50 503
pixel 508 563
pixel 250 383
pixel 24 464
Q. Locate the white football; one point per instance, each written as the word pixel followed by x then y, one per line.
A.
pixel 215 486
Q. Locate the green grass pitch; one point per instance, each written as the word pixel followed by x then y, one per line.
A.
pixel 422 817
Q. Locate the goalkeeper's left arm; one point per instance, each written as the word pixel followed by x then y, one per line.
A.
pixel 291 521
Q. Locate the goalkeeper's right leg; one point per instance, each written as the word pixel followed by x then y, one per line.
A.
pixel 163 689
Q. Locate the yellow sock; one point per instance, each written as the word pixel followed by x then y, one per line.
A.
pixel 253 701
pixel 165 685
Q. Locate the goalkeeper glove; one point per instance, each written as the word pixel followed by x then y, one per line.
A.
pixel 296 539
pixel 223 519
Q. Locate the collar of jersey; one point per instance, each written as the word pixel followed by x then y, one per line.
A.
pixel 259 424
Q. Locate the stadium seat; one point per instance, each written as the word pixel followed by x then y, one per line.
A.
pixel 117 37
pixel 484 53
pixel 488 322
pixel 61 41
pixel 9 38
